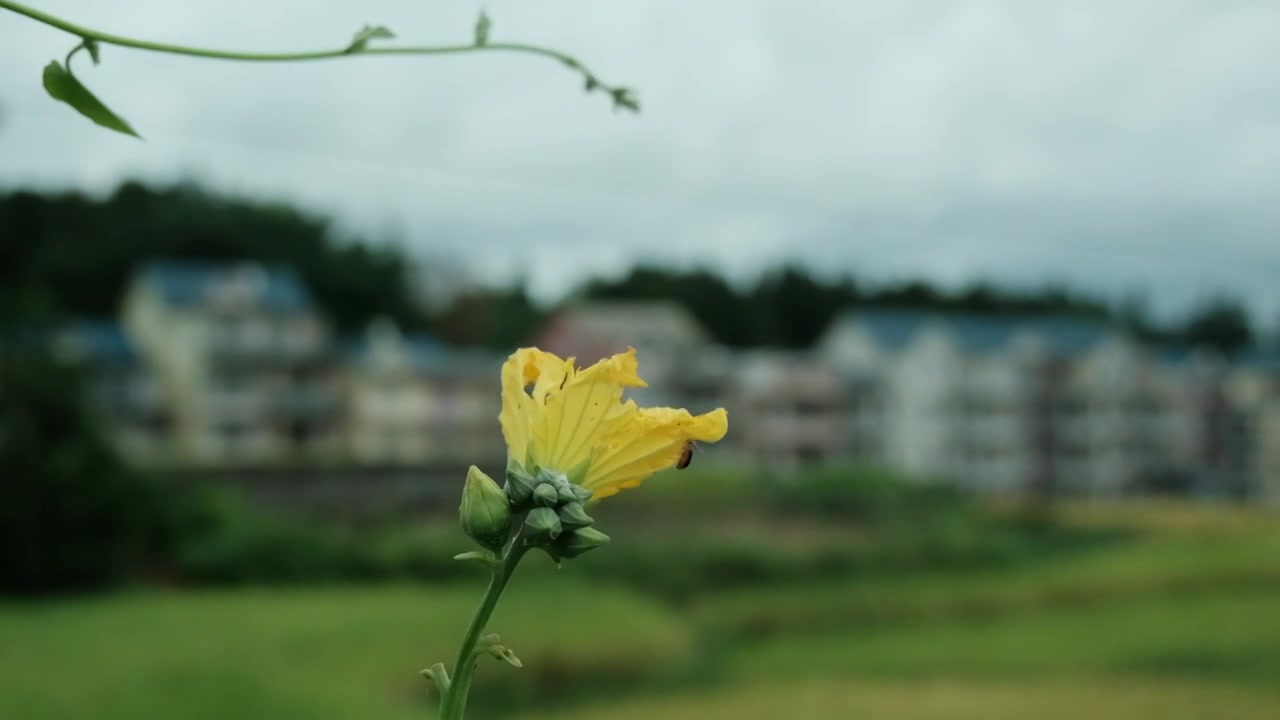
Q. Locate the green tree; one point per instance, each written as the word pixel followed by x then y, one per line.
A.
pixel 71 516
pixel 795 309
pixel 498 319
pixel 69 254
pixel 705 294
pixel 1222 324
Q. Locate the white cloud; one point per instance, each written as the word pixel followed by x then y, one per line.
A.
pixel 1115 146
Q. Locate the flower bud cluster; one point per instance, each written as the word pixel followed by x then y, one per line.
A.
pixel 555 516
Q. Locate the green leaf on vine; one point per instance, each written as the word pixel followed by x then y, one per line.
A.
pixel 483 26
pixel 62 85
pixel 367 33
pixel 624 99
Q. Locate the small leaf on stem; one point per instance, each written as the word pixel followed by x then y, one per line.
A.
pixel 484 557
pixel 62 85
pixel 438 675
pixel 367 33
pixel 503 653
pixel 622 98
pixel 483 26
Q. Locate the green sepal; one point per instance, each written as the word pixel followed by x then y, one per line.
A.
pixel 578 473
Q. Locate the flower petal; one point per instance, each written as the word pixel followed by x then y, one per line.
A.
pixel 649 441
pixel 584 408
pixel 519 409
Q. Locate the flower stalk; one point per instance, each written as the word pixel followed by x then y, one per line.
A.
pixel 453 704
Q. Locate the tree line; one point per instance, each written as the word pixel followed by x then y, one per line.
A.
pixel 66 254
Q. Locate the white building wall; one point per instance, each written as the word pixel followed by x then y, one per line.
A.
pixel 919 396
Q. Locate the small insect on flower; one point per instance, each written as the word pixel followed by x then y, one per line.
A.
pixel 686 455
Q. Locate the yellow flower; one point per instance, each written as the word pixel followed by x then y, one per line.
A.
pixel 575 421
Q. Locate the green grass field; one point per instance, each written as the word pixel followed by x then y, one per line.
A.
pixel 1183 623
pixel 1211 558
pixel 949 700
pixel 322 653
pixel 1211 637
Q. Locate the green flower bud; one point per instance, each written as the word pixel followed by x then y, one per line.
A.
pixel 519 486
pixel 543 523
pixel 546 494
pixel 566 494
pixel 551 476
pixel 572 516
pixel 485 510
pixel 572 544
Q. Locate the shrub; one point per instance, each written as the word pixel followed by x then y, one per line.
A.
pixel 865 495
pixel 226 540
pixel 72 517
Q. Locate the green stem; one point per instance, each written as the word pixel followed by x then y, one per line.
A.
pixel 346 51
pixel 455 703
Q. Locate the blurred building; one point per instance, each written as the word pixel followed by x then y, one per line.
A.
pixel 244 358
pixel 412 399
pixel 233 365
pixel 1001 404
pixel 1250 449
pixel 788 411
pixel 1269 452
pixel 1120 426
pixel 123 388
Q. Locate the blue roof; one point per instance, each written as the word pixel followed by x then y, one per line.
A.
pixel 186 283
pixel 99 341
pixel 981 333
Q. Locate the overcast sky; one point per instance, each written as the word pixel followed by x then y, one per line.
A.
pixel 1119 147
